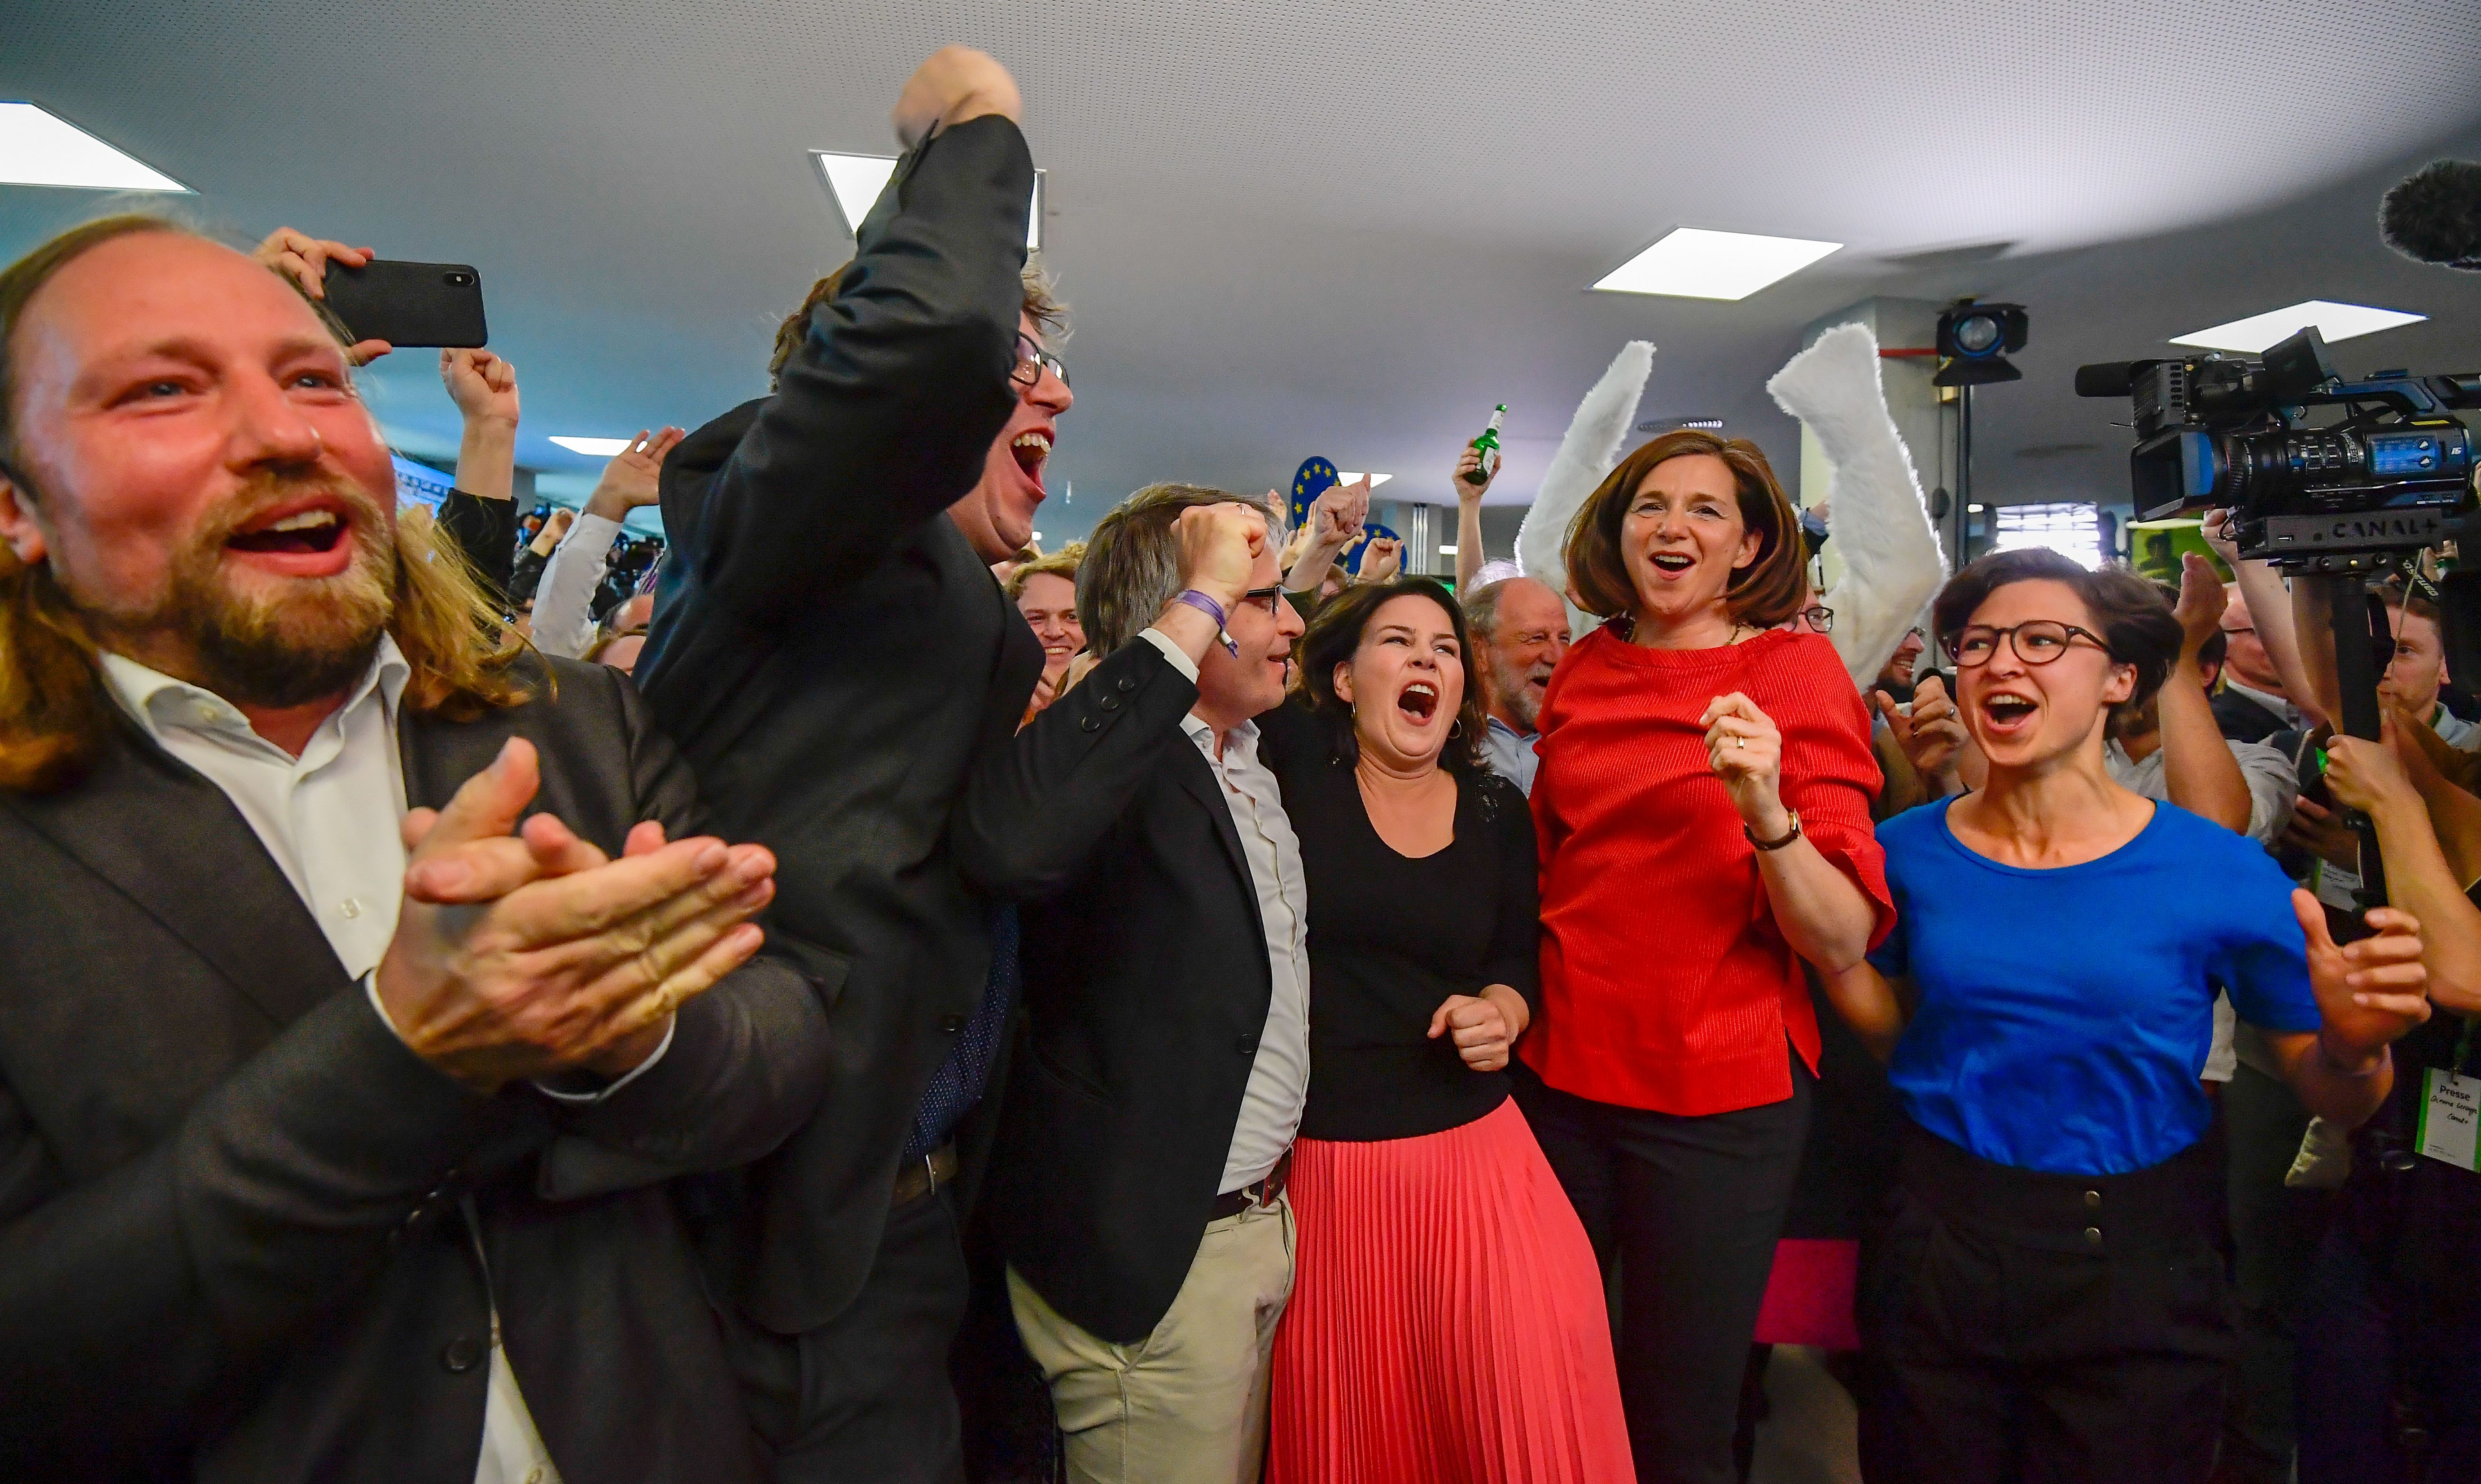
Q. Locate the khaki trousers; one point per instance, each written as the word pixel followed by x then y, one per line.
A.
pixel 1187 1405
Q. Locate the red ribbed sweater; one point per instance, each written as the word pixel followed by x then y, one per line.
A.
pixel 1665 983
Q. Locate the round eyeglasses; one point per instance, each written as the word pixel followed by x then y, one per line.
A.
pixel 1819 617
pixel 2037 642
pixel 1032 360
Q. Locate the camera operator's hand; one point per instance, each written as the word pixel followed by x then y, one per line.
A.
pixel 633 478
pixel 521 954
pixel 304 259
pixel 1932 733
pixel 1467 491
pixel 2369 776
pixel 953 85
pixel 2368 993
pixel 2200 609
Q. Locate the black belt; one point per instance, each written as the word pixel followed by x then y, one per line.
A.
pixel 1266 1193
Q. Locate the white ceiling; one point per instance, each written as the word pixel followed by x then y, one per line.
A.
pixel 1292 229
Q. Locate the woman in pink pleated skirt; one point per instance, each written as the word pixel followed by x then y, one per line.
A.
pixel 1447 1320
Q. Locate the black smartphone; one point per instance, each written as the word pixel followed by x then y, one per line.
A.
pixel 409 303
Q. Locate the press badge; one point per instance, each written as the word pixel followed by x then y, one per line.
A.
pixel 2451 1113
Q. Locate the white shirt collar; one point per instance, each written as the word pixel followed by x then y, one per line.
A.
pixel 1242 742
pixel 157 702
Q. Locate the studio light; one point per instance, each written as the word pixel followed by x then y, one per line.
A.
pixel 2263 332
pixel 855 182
pixel 1693 263
pixel 37 150
pixel 1975 341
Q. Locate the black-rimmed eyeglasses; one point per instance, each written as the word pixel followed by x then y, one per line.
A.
pixel 2037 642
pixel 1032 360
pixel 1819 617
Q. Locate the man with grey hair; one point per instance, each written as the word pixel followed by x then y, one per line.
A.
pixel 1523 629
pixel 1139 1179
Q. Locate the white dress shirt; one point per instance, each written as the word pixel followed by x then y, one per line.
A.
pixel 1511 753
pixel 1279 1076
pixel 329 819
pixel 563 619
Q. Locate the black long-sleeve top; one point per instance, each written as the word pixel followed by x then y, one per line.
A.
pixel 1391 937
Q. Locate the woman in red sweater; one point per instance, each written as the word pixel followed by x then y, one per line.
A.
pixel 1704 812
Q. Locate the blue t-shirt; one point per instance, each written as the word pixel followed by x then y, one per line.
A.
pixel 2064 1014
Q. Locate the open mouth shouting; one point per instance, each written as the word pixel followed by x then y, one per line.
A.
pixel 1419 702
pixel 1672 563
pixel 2008 713
pixel 1032 449
pixel 310 537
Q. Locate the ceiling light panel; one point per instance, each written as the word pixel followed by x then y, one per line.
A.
pixel 1693 263
pixel 2263 332
pixel 37 150
pixel 601 448
pixel 1376 480
pixel 854 183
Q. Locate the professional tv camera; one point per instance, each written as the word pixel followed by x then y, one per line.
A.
pixel 2389 475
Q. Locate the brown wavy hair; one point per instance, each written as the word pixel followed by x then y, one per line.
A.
pixel 1768 591
pixel 1334 638
pixel 55 710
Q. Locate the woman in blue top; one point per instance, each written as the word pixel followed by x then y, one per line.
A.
pixel 2045 1299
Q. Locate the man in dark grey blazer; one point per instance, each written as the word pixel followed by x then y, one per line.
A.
pixel 360 978
pixel 833 654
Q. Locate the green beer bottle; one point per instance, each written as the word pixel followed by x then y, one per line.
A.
pixel 1488 445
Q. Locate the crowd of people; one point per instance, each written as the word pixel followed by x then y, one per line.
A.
pixel 1169 1009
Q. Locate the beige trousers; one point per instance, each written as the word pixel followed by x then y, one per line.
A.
pixel 1188 1404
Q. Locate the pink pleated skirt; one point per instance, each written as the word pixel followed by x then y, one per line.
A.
pixel 1447 1323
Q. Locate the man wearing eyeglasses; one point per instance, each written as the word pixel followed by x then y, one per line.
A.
pixel 1138 1181
pixel 833 654
pixel 2251 706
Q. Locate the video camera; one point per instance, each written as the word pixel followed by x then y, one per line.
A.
pixel 2388 476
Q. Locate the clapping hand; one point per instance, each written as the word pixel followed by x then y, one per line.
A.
pixel 304 259
pixel 1745 749
pixel 525 950
pixel 1932 733
pixel 1483 1027
pixel 2368 993
pixel 633 478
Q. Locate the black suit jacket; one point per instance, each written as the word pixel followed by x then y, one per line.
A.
pixel 834 657
pixel 231 1245
pixel 2242 720
pixel 1146 986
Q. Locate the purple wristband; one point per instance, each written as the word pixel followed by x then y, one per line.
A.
pixel 1215 610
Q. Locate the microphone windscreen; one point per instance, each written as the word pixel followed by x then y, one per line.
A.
pixel 2434 215
pixel 2106 378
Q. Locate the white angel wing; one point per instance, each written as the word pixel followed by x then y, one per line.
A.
pixel 1892 564
pixel 1585 457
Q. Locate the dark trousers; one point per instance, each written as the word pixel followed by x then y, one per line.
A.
pixel 2275 1232
pixel 1690 1210
pixel 865 1398
pixel 2065 1329
pixel 2390 1346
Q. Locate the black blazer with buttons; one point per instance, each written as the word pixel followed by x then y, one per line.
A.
pixel 1146 985
pixel 231 1244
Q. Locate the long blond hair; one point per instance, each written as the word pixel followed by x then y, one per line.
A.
pixel 55 714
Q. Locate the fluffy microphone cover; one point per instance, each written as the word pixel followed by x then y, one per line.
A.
pixel 1585 457
pixel 1880 524
pixel 2434 215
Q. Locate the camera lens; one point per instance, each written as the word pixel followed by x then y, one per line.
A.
pixel 459 281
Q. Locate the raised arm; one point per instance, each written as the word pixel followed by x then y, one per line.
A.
pixel 2370 777
pixel 2198 768
pixel 1469 552
pixel 884 415
pixel 1820 910
pixel 565 600
pixel 2271 612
